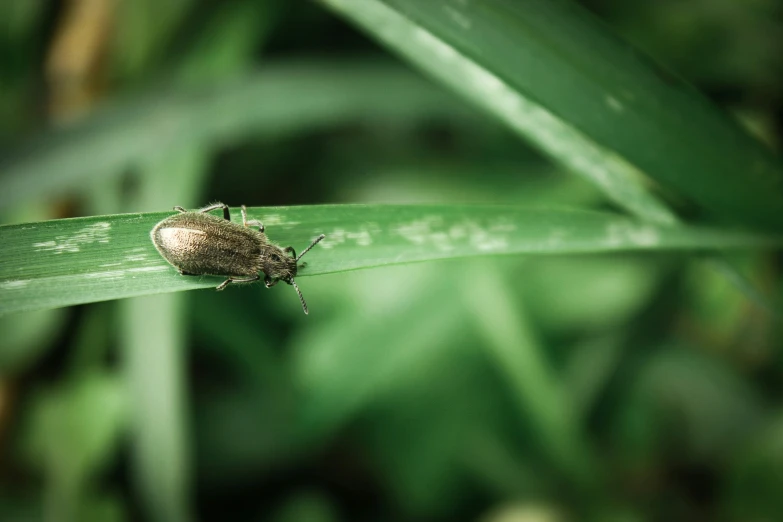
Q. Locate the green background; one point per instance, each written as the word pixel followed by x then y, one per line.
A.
pixel 550 288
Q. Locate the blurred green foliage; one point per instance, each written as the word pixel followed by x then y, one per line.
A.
pixel 625 387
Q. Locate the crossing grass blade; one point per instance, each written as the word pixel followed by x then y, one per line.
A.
pixel 561 80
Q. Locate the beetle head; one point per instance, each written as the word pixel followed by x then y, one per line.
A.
pixel 279 266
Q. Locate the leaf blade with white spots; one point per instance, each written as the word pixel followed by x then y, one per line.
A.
pixel 64 262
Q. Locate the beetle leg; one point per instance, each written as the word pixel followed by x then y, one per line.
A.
pixel 180 209
pixel 185 273
pixel 226 213
pixel 252 221
pixel 290 250
pixel 269 282
pixel 230 280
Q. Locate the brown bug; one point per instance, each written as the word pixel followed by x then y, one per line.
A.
pixel 198 243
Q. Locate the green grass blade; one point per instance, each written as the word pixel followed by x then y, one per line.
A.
pixel 556 76
pixel 153 334
pixel 520 357
pixel 277 101
pixel 153 337
pixel 70 261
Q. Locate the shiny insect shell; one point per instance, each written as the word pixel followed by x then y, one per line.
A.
pixel 199 243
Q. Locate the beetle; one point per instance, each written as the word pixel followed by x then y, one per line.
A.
pixel 199 243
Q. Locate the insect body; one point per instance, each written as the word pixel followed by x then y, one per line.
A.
pixel 198 243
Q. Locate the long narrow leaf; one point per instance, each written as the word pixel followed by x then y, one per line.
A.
pixel 70 261
pixel 561 80
pixel 279 100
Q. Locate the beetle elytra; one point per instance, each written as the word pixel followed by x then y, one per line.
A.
pixel 199 243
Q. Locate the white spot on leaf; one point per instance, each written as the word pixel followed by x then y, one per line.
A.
pixel 363 236
pixel 470 235
pixel 458 17
pixel 614 104
pixel 71 243
pixel 630 234
pixel 109 274
pixel 160 268
pixel 16 284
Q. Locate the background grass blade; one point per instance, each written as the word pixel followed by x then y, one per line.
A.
pixel 521 361
pixel 279 100
pixel 153 340
pixel 554 75
pixel 64 262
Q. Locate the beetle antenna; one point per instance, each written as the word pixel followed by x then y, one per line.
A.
pixel 306 250
pixel 301 297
